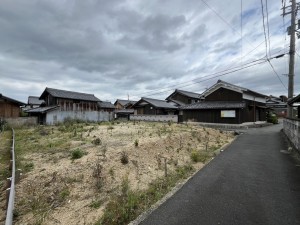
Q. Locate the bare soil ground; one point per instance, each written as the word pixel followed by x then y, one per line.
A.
pixel 72 170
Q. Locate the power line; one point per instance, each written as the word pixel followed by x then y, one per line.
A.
pixel 194 80
pixel 242 32
pixel 216 74
pixel 223 19
pixel 268 26
pixel 210 78
pixel 277 74
pixel 263 16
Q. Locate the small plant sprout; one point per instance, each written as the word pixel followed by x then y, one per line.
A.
pixel 98 175
pixel 124 158
pixel 136 143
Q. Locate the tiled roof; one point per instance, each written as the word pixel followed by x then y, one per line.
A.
pixel 107 105
pixel 33 100
pixel 188 93
pixel 294 100
pixel 125 102
pixel 159 103
pixel 12 100
pixel 214 105
pixel 224 84
pixel 176 102
pixel 41 109
pixel 70 95
pixel 185 93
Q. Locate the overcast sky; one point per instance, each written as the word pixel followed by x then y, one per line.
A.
pixel 140 48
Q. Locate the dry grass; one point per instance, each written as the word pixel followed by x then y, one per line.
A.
pixel 79 191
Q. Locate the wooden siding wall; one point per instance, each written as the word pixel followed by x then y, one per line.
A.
pixel 50 100
pixel 9 110
pixel 248 112
pixel 210 116
pixel 183 99
pixel 180 98
pixel 223 94
pixel 119 106
pixel 71 105
pixel 146 110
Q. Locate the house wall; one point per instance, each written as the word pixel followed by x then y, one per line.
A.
pixel 211 116
pixel 56 116
pixel 184 99
pixel 119 106
pixel 76 105
pixel 223 94
pixel 151 110
pixel 248 114
pixel 9 109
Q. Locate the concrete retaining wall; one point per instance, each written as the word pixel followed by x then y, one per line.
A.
pixel 155 118
pixel 291 128
pixel 21 121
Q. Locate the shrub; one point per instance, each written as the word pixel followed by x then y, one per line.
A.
pixel 272 118
pixel 124 158
pixel 97 141
pixel 77 154
pixel 197 156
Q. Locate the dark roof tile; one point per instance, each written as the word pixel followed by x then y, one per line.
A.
pixel 70 95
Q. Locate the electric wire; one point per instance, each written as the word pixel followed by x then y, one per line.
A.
pixel 269 41
pixel 195 80
pixel 241 32
pixel 230 69
pixel 210 78
pixel 277 74
pixel 263 17
pixel 224 20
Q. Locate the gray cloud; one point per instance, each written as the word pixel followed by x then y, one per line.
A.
pixel 113 48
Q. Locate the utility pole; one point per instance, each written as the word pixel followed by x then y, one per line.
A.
pixel 292 30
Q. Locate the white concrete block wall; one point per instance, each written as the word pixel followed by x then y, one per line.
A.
pixel 56 116
pixel 292 130
pixel 156 118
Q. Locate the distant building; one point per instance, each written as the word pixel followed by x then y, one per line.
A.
pixel 150 106
pixel 226 103
pixel 60 104
pixel 124 108
pixel 124 104
pixel 182 98
pixel 9 108
pixel 277 105
pixel 34 102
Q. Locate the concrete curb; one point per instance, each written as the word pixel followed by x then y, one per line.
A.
pixel 145 214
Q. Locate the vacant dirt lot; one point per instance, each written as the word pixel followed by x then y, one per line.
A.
pixel 72 170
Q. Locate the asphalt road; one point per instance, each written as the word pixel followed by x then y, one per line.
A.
pixel 251 182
